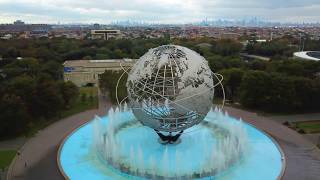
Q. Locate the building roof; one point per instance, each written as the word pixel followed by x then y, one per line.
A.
pixel 99 63
pixel 308 55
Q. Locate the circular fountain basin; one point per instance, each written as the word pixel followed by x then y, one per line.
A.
pixel 79 159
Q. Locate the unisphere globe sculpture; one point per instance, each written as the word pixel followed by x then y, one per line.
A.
pixel 170 88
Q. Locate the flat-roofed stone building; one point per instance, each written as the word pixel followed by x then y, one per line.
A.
pixel 106 34
pixel 84 72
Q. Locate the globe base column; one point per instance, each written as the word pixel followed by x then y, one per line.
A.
pixel 169 139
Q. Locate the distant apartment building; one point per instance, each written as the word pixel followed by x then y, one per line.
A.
pixel 84 72
pixel 20 26
pixel 7 36
pixel 105 34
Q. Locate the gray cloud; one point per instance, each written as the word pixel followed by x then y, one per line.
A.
pixel 165 11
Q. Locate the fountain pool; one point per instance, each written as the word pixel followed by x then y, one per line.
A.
pixel 117 146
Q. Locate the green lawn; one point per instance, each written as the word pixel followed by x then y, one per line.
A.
pixel 6 156
pixel 309 126
pixel 88 99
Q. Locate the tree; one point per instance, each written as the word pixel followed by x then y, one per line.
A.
pixel 226 47
pixel 305 93
pixel 258 65
pixel 253 89
pixel 69 93
pixel 232 79
pixel 14 117
pixel 54 69
pixel 48 100
pixel 287 67
pixel 11 52
pixel 28 66
pixel 217 62
pixel 23 87
pixel 270 92
pixel 279 47
pixel 108 83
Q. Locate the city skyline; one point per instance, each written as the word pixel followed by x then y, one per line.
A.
pixel 160 11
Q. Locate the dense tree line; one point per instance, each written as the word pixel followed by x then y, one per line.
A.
pixel 282 48
pixel 108 83
pixel 61 49
pixel 279 85
pixel 31 87
pixel 278 92
pixel 276 86
pixel 276 48
pixel 311 45
pixel 31 91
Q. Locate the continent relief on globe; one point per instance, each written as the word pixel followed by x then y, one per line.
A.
pixel 170 88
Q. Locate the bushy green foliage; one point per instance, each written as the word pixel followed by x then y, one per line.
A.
pixel 31 91
pixel 226 47
pixel 311 45
pixel 278 92
pixel 280 85
pixel 32 88
pixel 108 83
pixel 278 48
pixel 232 79
pixel 6 156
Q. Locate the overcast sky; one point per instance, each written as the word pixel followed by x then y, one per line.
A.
pixel 157 11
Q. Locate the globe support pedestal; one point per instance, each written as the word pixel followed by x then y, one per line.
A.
pixel 169 139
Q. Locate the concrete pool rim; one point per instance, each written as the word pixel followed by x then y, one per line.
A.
pixel 72 131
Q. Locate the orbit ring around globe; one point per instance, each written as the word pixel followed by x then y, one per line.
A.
pixel 149 84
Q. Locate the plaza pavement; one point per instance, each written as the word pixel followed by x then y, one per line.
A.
pixel 12 144
pixel 302 156
pixel 40 152
pixel 315 137
pixel 296 117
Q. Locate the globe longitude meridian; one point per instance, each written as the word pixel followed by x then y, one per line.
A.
pixel 170 89
pixel 161 86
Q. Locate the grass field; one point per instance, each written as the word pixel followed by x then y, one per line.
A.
pixel 6 156
pixel 309 126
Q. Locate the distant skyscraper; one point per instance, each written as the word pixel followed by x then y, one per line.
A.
pixel 18 22
pixel 96 26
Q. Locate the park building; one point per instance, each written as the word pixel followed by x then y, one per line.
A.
pixel 106 34
pixel 86 72
pixel 308 55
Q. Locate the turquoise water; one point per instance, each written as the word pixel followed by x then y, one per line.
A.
pixel 79 159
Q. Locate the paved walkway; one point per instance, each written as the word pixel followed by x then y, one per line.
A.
pixel 296 117
pixel 40 152
pixel 314 138
pixel 302 157
pixel 13 143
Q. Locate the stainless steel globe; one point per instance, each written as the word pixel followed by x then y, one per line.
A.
pixel 170 88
